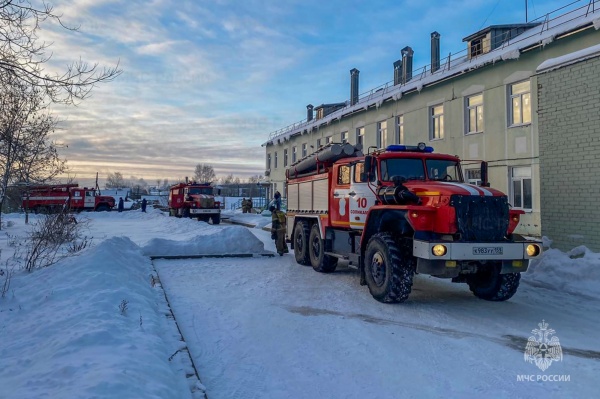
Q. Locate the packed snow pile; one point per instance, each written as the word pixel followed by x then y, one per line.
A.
pixel 90 326
pixel 215 241
pixel 575 272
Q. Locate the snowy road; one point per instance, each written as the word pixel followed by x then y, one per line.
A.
pixel 269 328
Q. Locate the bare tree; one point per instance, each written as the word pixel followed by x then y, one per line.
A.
pixel 204 173
pixel 115 180
pixel 228 179
pixel 23 55
pixel 26 153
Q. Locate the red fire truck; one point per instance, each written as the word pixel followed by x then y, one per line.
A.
pixel 400 211
pixel 194 200
pixel 49 198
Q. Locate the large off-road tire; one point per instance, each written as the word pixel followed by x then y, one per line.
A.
pixel 316 251
pixel 389 269
pixel 186 212
pixel 490 285
pixel 216 219
pixel 301 236
pixel 102 208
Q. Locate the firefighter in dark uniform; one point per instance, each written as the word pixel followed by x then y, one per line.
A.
pixel 278 230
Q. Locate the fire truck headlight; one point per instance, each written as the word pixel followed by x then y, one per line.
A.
pixel 439 250
pixel 533 250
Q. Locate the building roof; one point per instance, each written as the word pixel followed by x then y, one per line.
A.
pixel 500 27
pixel 539 35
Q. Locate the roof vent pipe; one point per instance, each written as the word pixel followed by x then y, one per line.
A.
pixel 397 72
pixel 407 64
pixel 354 86
pixel 309 112
pixel 435 51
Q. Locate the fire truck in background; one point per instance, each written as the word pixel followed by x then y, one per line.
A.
pixel 194 200
pixel 51 198
pixel 400 211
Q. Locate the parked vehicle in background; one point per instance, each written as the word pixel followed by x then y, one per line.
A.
pixel 51 198
pixel 400 211
pixel 194 200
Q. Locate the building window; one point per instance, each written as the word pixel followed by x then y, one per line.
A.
pixel 382 134
pixel 268 161
pixel 328 139
pixel 285 158
pixel 304 150
pixel 436 130
pixel 474 115
pixel 360 136
pixel 521 195
pixel 344 137
pixel 474 176
pixel 520 103
pixel 476 47
pixel 294 154
pixel 400 129
pixel 275 163
pixel 318 143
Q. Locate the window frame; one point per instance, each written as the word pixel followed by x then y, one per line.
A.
pixel 477 109
pixel 514 179
pixel 275 160
pixel 382 134
pixel 511 108
pixel 294 154
pixel 268 161
pixel 328 140
pixel 360 135
pixel 285 157
pixel 304 150
pixel 318 143
pixel 436 120
pixel 400 129
pixel 344 137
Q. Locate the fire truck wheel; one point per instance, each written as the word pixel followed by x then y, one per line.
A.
pixel 490 285
pixel 316 251
pixel 301 235
pixel 216 219
pixel 103 208
pixel 186 213
pixel 389 269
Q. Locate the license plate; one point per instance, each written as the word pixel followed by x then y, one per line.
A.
pixel 487 250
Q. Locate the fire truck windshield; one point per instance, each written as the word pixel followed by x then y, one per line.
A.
pixel 199 190
pixel 414 169
pixel 442 169
pixel 409 168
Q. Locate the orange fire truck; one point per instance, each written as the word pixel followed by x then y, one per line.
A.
pixel 50 198
pixel 400 211
pixel 194 200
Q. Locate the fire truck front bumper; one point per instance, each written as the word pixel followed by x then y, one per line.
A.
pixel 195 211
pixel 445 257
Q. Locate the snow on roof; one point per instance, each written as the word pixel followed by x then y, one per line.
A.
pixel 540 35
pixel 567 59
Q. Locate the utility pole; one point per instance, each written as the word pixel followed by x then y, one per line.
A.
pixel 525 11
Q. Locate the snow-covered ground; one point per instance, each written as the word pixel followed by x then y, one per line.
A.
pixel 98 325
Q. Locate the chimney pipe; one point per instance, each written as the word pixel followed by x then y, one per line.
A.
pixel 407 64
pixel 309 112
pixel 435 51
pixel 354 86
pixel 397 72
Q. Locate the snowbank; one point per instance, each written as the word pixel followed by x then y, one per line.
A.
pixel 574 272
pixel 87 346
pixel 216 241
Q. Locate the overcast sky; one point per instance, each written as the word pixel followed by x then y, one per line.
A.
pixel 207 81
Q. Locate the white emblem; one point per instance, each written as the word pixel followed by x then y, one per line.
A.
pixel 542 349
pixel 342 206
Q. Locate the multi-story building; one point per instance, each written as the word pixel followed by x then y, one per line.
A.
pixel 480 104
